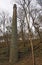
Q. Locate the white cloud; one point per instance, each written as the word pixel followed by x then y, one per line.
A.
pixel 6 5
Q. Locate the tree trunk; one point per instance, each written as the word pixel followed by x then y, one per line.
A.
pixel 33 57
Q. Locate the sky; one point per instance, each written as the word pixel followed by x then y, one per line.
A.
pixel 6 5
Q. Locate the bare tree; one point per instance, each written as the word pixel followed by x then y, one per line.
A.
pixel 4 19
pixel 36 23
pixel 40 2
pixel 24 4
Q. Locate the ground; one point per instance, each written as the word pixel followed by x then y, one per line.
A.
pixel 27 59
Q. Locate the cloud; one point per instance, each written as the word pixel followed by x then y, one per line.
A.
pixel 6 5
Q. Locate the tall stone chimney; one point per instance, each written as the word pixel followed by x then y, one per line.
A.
pixel 13 45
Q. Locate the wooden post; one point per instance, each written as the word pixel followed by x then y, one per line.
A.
pixel 13 45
